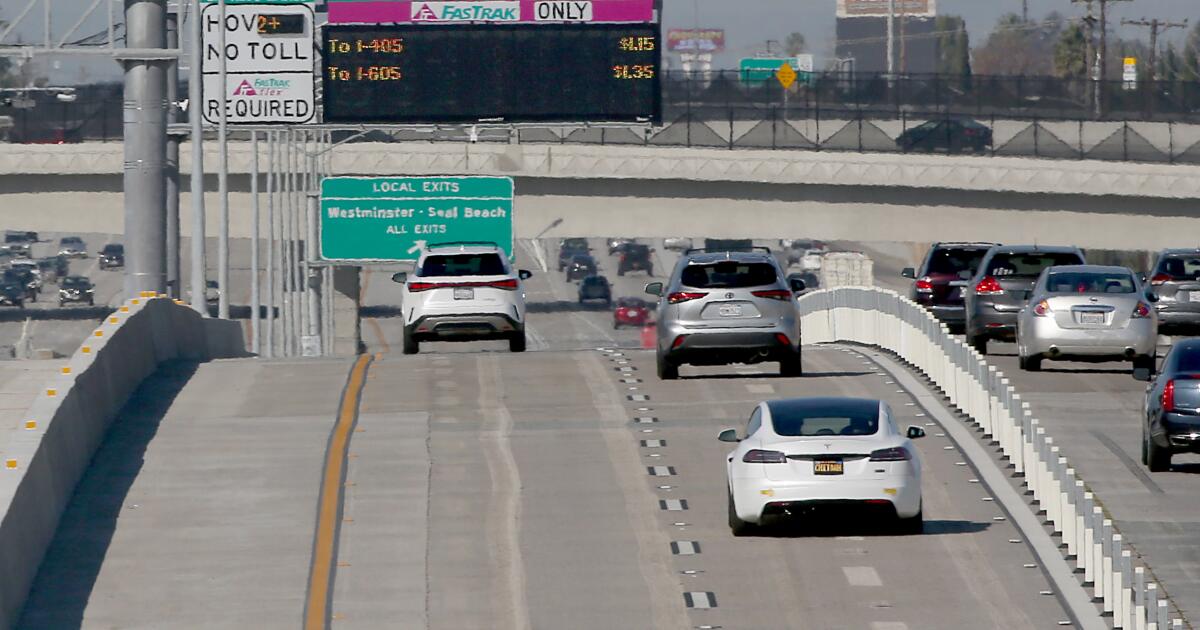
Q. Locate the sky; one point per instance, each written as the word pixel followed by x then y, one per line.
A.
pixel 748 24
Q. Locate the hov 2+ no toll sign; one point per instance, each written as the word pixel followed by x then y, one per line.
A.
pixel 268 63
pixel 385 219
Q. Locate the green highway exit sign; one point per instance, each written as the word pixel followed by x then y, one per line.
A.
pixel 388 219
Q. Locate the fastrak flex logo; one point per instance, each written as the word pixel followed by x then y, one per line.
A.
pixel 244 89
pixel 491 11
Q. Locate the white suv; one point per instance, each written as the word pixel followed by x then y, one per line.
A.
pixel 463 292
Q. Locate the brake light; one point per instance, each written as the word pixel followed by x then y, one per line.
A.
pixel 894 454
pixel 684 296
pixel 989 286
pixel 1168 396
pixel 678 341
pixel 1160 278
pixel 757 456
pixel 773 294
pixel 1141 311
pixel 417 287
pixel 509 284
pixel 783 339
pixel 924 285
pixel 1042 309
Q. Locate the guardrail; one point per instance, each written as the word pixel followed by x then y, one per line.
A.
pixel 885 319
pixel 45 457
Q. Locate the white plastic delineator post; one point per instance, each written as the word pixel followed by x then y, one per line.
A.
pixel 1139 598
pixel 1118 581
pixel 1085 554
pixel 1066 488
pixel 1098 552
pixel 1151 606
pixel 1164 614
pixel 1106 563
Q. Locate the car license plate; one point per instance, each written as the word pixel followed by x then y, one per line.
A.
pixel 827 467
pixel 1091 318
pixel 731 310
pixel 464 293
pixel 1194 296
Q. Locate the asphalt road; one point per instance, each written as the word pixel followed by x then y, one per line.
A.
pixel 486 489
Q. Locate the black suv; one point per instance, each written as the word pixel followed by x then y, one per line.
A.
pixel 113 255
pixel 944 272
pixel 76 289
pixel 569 248
pixel 1001 287
pixel 635 257
pixel 19 243
pixel 581 266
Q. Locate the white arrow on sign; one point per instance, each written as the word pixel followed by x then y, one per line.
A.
pixel 417 246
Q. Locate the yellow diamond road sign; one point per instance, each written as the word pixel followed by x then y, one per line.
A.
pixel 786 75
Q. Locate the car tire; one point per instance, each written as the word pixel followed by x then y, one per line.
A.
pixel 1158 459
pixel 667 371
pixel 516 343
pixel 616 326
pixel 737 526
pixel 912 526
pixel 60 303
pixel 620 271
pixel 1030 364
pixel 791 366
pixel 1148 362
pixel 979 342
pixel 411 345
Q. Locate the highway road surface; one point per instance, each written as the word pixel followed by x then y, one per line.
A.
pixel 565 487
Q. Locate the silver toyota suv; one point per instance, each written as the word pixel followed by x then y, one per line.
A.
pixel 727 307
pixel 463 292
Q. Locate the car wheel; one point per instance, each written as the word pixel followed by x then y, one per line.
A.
pixel 616 326
pixel 411 345
pixel 1158 459
pixel 791 366
pixel 1030 364
pixel 1147 362
pixel 516 343
pixel 736 525
pixel 667 371
pixel 980 343
pixel 1145 445
pixel 912 526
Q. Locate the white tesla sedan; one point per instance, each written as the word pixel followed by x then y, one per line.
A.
pixel 803 454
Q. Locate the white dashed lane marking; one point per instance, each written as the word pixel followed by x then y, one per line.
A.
pixel 679 505
pixel 888 625
pixel 760 388
pixel 645 420
pixel 700 599
pixel 654 443
pixel 638 397
pixel 862 576
pixel 685 547
pixel 661 471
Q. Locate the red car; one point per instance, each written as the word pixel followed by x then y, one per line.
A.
pixel 631 311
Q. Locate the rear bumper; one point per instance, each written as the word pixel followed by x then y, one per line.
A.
pixel 1178 313
pixel 1045 337
pixel 1178 432
pixel 948 313
pixel 465 326
pixel 759 498
pixel 986 321
pixel 724 346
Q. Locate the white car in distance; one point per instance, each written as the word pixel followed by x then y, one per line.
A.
pixel 463 292
pixel 803 456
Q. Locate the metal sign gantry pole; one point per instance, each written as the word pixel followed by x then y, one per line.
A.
pixel 195 117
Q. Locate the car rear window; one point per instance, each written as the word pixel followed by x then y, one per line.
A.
pixel 817 423
pixel 1030 264
pixel 1090 282
pixel 632 303
pixel 487 264
pixel 575 243
pixel 728 274
pixel 1180 267
pixel 955 260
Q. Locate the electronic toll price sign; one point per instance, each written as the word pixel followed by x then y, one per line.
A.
pixel 468 73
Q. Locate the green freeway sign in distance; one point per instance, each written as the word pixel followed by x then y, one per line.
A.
pixel 760 69
pixel 385 219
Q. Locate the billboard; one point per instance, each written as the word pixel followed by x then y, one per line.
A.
pixel 879 8
pixel 700 40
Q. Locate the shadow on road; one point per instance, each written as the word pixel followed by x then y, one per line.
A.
pixel 66 313
pixel 808 527
pixel 72 564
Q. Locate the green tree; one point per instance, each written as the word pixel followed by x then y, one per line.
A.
pixel 795 44
pixel 1070 53
pixel 954 46
pixel 1017 47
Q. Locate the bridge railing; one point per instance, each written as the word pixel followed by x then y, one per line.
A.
pixel 884 319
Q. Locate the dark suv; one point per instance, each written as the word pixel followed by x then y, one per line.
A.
pixel 112 256
pixel 581 266
pixel 1001 286
pixel 635 257
pixel 938 283
pixel 1171 410
pixel 1175 280
pixel 569 248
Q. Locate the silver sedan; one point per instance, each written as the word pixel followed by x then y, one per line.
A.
pixel 1087 313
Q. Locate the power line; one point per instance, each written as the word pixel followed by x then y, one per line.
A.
pixel 1156 26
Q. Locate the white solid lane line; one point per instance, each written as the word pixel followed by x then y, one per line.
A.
pixel 760 388
pixel 862 576
pixel 888 625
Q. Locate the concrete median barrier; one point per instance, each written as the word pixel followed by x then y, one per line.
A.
pixel 45 458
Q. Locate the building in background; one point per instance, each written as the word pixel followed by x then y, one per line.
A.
pixel 862 35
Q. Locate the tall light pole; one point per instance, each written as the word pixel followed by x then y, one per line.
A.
pixel 891 39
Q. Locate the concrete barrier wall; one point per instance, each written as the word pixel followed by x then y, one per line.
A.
pixel 44 460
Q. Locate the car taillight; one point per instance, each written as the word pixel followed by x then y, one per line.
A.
pixel 1141 311
pixel 1168 396
pixel 757 456
pixel 510 284
pixel 684 296
pixel 1160 278
pixel 894 454
pixel 417 287
pixel 989 286
pixel 924 285
pixel 1042 309
pixel 678 341
pixel 773 294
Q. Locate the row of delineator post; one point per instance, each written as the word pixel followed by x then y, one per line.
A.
pixel 890 321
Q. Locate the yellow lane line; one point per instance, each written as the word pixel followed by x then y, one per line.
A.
pixel 329 507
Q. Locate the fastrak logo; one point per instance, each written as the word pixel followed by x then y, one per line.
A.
pixel 244 89
pixel 490 11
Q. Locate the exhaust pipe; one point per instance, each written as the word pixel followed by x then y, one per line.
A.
pixel 1130 353
pixel 1053 351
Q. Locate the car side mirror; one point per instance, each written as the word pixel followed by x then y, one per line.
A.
pixel 908 272
pixel 1151 296
pixel 1141 374
pixel 524 274
pixel 729 435
pixel 797 285
pixel 654 288
pixel 400 277
pixel 914 432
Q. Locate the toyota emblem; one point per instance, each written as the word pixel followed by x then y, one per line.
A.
pixel 729 296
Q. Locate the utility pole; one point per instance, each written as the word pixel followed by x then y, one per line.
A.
pixel 1102 53
pixel 1025 11
pixel 891 40
pixel 903 40
pixel 174 287
pixel 195 117
pixel 1156 27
